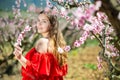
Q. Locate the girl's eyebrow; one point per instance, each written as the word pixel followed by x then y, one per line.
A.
pixel 41 19
pixel 44 19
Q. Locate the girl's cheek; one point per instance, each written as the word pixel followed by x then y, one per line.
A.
pixel 37 25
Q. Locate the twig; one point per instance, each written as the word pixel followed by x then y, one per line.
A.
pixel 98 39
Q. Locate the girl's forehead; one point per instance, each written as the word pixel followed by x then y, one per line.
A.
pixel 43 16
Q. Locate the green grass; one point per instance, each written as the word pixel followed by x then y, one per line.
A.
pixel 93 42
pixel 90 66
pixel 75 51
pixel 88 43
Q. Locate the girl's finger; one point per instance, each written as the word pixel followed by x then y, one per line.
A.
pixel 14 52
pixel 17 52
pixel 18 48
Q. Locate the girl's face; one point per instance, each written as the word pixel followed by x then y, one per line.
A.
pixel 43 24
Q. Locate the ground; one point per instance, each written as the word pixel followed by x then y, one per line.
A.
pixel 82 65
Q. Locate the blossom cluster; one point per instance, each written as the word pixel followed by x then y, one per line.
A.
pixel 88 22
pixel 22 34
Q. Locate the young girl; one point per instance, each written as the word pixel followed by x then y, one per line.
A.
pixel 44 61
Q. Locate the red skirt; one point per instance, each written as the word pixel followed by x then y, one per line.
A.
pixel 42 66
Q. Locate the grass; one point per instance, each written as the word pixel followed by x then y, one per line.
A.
pixel 88 43
pixel 91 42
pixel 90 66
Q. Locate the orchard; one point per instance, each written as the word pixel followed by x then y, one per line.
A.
pixel 80 21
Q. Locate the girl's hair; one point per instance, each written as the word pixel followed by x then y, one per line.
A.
pixel 56 39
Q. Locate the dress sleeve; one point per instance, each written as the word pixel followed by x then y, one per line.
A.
pixel 42 64
pixel 37 64
pixel 28 73
pixel 64 69
pixel 59 70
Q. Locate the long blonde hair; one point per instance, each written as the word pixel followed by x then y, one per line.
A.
pixel 56 39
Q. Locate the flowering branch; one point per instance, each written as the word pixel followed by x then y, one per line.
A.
pixel 68 4
pixel 21 35
pixel 98 39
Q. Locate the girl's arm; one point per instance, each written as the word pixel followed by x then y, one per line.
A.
pixel 18 54
pixel 23 61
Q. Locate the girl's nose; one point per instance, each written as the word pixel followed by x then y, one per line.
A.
pixel 39 23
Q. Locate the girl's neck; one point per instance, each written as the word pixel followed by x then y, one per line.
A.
pixel 45 35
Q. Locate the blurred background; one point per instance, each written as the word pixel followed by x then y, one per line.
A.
pixel 16 14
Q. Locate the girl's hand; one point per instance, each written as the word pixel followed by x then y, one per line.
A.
pixel 17 52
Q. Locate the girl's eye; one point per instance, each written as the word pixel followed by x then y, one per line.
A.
pixel 44 21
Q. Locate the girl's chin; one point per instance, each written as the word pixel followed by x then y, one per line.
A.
pixel 40 31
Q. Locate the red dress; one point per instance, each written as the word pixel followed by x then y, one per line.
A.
pixel 42 66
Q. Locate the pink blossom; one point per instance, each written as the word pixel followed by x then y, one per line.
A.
pixel 60 50
pixel 67 18
pixel 18 42
pixel 49 4
pixel 82 40
pixel 21 35
pixel 62 15
pixel 108 53
pixel 114 54
pixel 98 5
pixel 69 1
pixel 72 23
pixel 81 22
pixel 67 48
pixel 76 43
pixel 99 59
pixel 111 47
pixel 47 9
pixel 64 11
pixel 88 27
pixel 78 12
pixel 76 21
pixel 60 1
pixel 55 11
pixel 19 39
pixel 25 5
pixel 27 28
pixel 92 37
pixel 109 30
pixel 99 66
pixel 99 62
pixel 101 16
pixel 90 19
pixel 97 25
pixel 90 11
pixel 32 8
pixel 85 34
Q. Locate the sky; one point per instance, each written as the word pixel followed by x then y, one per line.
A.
pixel 7 4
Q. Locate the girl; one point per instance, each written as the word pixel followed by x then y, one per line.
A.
pixel 44 61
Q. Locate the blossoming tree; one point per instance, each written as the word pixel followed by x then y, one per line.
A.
pixel 85 17
pixel 104 27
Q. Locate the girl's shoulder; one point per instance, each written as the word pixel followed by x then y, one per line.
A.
pixel 41 41
pixel 41 45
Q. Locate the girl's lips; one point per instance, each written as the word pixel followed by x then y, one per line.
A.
pixel 40 28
